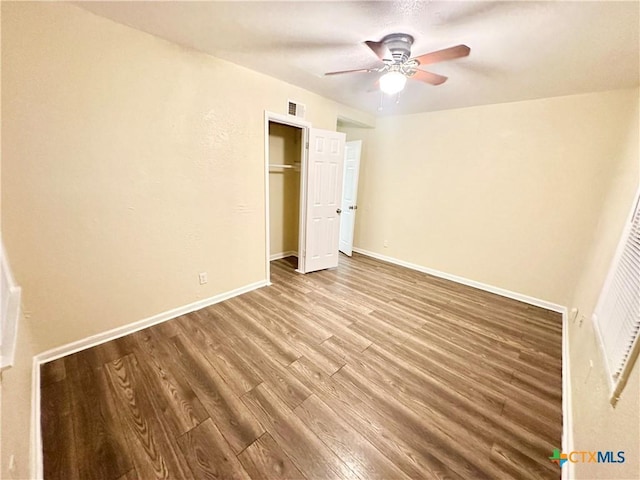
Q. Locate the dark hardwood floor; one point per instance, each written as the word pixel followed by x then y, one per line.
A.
pixel 367 371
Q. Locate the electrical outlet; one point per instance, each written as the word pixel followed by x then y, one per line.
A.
pixel 202 276
pixel 385 244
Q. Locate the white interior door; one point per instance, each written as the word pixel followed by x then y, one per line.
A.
pixel 323 196
pixel 349 195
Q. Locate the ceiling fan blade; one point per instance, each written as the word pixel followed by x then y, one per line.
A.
pixel 428 77
pixel 350 71
pixel 442 55
pixel 379 49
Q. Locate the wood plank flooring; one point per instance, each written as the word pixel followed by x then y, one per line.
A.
pixel 367 371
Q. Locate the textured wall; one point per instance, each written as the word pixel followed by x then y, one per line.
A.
pixel 578 157
pixel 507 195
pixel 598 425
pixel 129 164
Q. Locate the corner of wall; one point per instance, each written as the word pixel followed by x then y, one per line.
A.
pixel 593 422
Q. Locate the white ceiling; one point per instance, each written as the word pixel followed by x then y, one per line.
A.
pixel 519 50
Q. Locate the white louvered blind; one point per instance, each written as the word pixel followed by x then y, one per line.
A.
pixel 617 316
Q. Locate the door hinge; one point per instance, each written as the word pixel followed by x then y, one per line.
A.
pixel 306 145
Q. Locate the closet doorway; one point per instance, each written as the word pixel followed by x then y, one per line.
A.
pixel 285 147
pixel 303 188
pixel 285 162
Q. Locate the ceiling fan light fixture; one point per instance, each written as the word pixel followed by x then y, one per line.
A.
pixel 392 82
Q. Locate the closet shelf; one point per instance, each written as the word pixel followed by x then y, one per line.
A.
pixel 285 166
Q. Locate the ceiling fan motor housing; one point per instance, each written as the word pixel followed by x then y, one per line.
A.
pixel 399 44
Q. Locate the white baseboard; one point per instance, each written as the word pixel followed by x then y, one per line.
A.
pixel 73 347
pixel 567 414
pixel 35 436
pixel 567 409
pixel 554 307
pixel 38 360
pixel 567 424
pixel 118 332
pixel 278 256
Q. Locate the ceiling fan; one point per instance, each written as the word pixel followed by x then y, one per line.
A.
pixel 395 52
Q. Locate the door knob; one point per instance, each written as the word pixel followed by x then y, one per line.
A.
pixel 353 207
pixel 338 211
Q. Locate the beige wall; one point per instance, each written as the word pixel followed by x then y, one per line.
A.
pixel 284 188
pixel 132 164
pixel 507 195
pixel 15 408
pixel 598 425
pixel 129 164
pixel 530 197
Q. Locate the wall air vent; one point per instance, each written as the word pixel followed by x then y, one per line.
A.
pixel 296 109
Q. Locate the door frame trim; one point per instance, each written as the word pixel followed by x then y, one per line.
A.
pixel 304 126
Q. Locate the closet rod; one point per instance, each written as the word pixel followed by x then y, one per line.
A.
pixel 276 165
